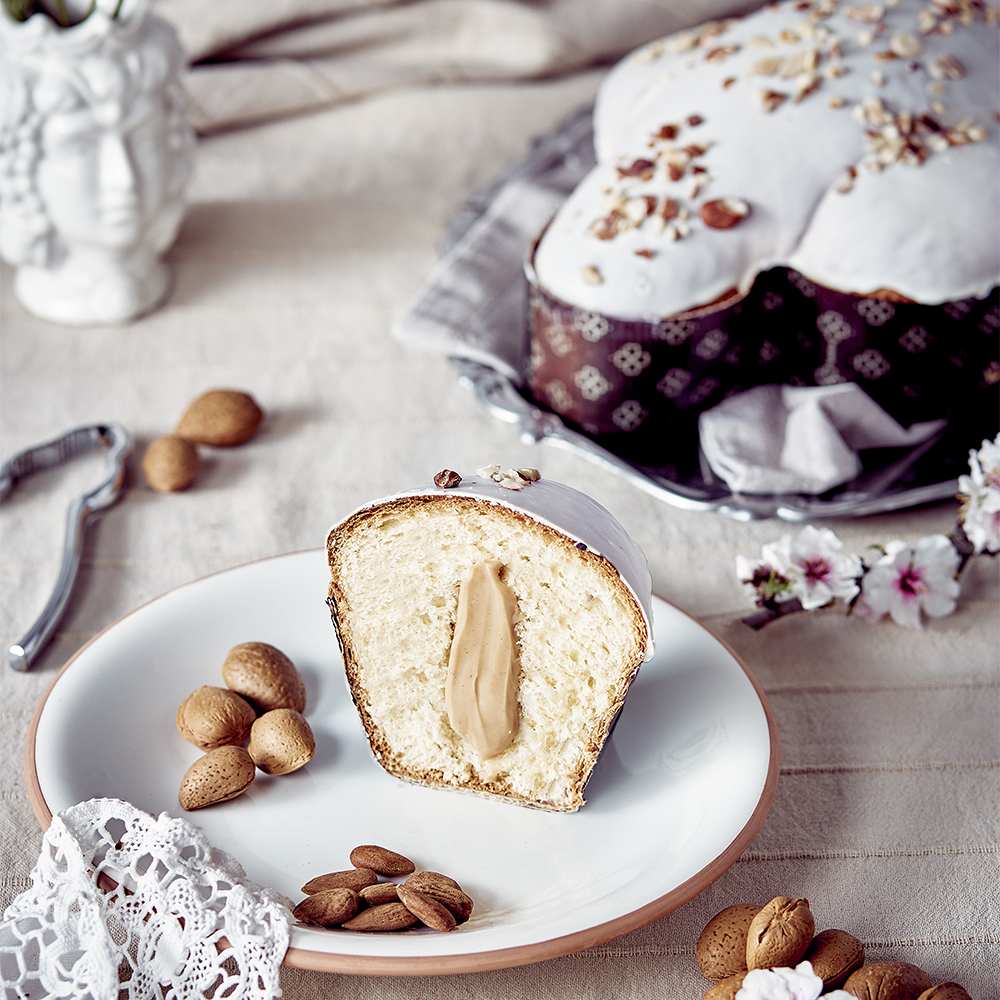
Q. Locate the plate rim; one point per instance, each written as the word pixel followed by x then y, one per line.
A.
pixel 419 965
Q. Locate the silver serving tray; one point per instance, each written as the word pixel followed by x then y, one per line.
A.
pixel 891 480
pixel 875 492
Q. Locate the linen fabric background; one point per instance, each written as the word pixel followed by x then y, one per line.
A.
pixel 337 140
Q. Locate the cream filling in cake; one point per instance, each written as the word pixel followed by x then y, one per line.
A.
pixel 856 144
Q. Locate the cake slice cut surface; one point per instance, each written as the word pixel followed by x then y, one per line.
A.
pixel 580 617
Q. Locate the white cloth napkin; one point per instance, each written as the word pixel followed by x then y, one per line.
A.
pixel 789 439
pixel 473 304
pixel 182 921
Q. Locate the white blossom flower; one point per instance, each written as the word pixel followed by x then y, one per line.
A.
pixel 906 581
pixel 980 495
pixel 762 581
pixel 817 567
pixel 800 983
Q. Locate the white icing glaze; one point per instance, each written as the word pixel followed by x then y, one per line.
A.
pixel 930 231
pixel 568 511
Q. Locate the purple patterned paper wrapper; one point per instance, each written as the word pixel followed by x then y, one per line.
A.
pixel 637 386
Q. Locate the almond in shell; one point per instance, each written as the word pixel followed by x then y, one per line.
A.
pixel 888 981
pixel 264 676
pixel 281 741
pixel 779 934
pixel 213 717
pixel 726 989
pixel 169 464
pixel 220 417
pixel 220 775
pixel 945 991
pixel 722 946
pixel 834 955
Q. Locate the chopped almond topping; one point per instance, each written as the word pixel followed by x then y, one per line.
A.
pixel 905 44
pixel 669 210
pixel 771 99
pixel 867 13
pixel 721 52
pixel 846 182
pixel 610 226
pixel 946 67
pixel 723 213
pixel 643 169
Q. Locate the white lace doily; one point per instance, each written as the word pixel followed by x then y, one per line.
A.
pixel 180 922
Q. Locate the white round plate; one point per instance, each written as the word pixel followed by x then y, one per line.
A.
pixel 680 790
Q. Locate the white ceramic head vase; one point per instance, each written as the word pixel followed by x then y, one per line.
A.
pixel 95 154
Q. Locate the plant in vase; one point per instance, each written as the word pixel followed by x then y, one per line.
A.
pixel 95 153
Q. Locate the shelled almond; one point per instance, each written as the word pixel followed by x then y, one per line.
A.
pixel 426 898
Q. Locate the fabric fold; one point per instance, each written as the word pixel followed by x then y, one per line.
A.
pixel 792 439
pixel 254 61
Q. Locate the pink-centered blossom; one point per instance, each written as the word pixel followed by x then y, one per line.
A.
pixel 980 495
pixel 906 582
pixel 816 565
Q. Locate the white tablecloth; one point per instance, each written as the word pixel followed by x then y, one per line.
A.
pixel 306 236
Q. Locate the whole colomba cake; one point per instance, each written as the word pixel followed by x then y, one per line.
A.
pixel 806 195
pixel 491 626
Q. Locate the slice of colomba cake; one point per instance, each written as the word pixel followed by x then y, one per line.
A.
pixel 490 627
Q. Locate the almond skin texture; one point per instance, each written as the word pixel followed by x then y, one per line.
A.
pixel 220 775
pixel 214 717
pixel 444 890
pixel 281 741
pixel 381 860
pixel 726 989
pixel 328 908
pixel 386 917
pixel 427 909
pixel 779 934
pixel 834 956
pixel 356 879
pixel 426 879
pixel 945 991
pixel 264 676
pixel 888 981
pixel 381 892
pixel 722 946
pixel 169 464
pixel 220 417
